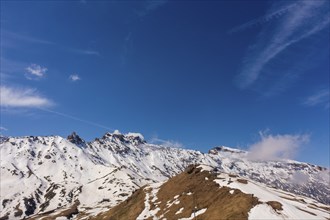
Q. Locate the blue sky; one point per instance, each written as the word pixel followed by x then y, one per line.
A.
pixel 196 74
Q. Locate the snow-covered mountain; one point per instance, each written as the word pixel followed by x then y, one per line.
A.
pixel 43 176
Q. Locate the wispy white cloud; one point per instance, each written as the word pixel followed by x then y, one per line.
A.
pixel 22 37
pixel 150 6
pixel 74 77
pixel 321 98
pixel 35 71
pixel 90 52
pixel 85 52
pixel 299 177
pixel 166 143
pixel 275 147
pixel 301 20
pixel 264 19
pixel 22 97
pixel 3 128
pixel 12 39
pixel 324 175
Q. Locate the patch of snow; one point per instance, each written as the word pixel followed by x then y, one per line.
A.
pixel 205 167
pixel 263 211
pixel 179 211
pixel 147 212
pixel 193 215
pixel 170 203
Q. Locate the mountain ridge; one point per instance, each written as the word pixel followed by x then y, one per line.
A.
pixel 54 173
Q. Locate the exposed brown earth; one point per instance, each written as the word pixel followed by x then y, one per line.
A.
pixel 242 181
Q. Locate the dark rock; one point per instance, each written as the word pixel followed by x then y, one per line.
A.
pixel 5 201
pixel 30 206
pixel 75 139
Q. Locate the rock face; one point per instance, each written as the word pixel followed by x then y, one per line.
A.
pixel 53 175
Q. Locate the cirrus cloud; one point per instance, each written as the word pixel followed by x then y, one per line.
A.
pixel 294 21
pixel 320 98
pixel 22 97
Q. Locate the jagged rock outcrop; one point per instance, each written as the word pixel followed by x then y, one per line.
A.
pixel 76 139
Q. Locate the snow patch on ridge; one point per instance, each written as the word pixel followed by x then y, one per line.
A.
pixel 150 197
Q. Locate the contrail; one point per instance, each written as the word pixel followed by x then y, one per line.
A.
pixel 77 119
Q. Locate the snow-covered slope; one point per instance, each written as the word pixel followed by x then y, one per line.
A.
pixel 52 174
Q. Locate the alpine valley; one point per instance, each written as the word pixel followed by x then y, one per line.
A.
pixel 121 176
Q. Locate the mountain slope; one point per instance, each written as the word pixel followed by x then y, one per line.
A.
pixel 52 174
pixel 202 193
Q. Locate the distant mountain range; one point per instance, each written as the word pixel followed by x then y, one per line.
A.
pixel 68 178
